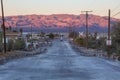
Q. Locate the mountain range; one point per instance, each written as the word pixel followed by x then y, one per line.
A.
pixel 58 22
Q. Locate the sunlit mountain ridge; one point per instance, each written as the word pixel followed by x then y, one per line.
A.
pixel 56 22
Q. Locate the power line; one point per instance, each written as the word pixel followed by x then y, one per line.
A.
pixel 116 14
pixel 118 6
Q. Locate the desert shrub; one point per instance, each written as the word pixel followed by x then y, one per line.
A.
pixel 10 45
pixel 79 41
pixel 51 36
pixel 73 34
pixel 19 44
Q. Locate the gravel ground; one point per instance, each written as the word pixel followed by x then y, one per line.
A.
pixel 60 62
pixel 93 52
pixel 20 54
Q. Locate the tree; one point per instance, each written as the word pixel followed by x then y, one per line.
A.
pixel 73 34
pixel 51 36
pixel 28 36
pixel 21 31
pixel 1 46
pixel 0 37
pixel 80 41
pixel 19 44
pixel 95 35
pixel 42 34
pixel 10 45
pixel 116 32
pixel 10 28
pixel 116 37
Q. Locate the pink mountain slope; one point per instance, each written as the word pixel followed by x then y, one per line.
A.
pixel 56 20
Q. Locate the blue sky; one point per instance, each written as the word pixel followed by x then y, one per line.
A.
pixel 24 7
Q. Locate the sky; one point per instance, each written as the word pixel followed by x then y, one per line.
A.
pixel 47 7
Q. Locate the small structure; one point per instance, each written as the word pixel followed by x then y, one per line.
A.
pixel 13 35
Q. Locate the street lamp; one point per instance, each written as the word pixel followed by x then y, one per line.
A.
pixel 3 25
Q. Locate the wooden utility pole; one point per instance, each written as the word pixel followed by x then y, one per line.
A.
pixel 109 24
pixel 3 25
pixel 86 27
pixel 109 39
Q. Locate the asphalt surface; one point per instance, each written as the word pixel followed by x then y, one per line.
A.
pixel 60 62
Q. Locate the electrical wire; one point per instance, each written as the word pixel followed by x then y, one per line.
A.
pixel 116 14
pixel 118 6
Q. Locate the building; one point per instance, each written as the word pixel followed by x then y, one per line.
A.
pixel 13 35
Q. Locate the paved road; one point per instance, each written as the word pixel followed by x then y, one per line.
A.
pixel 60 63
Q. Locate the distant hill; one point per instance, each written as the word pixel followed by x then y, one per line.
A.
pixel 58 22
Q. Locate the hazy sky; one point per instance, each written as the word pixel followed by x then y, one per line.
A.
pixel 23 7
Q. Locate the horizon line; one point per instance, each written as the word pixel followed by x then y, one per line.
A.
pixel 58 14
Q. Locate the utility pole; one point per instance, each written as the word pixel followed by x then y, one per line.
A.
pixel 109 24
pixel 86 27
pixel 3 25
pixel 109 39
pixel 31 31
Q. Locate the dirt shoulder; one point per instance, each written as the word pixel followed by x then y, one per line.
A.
pixel 5 57
pixel 93 52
